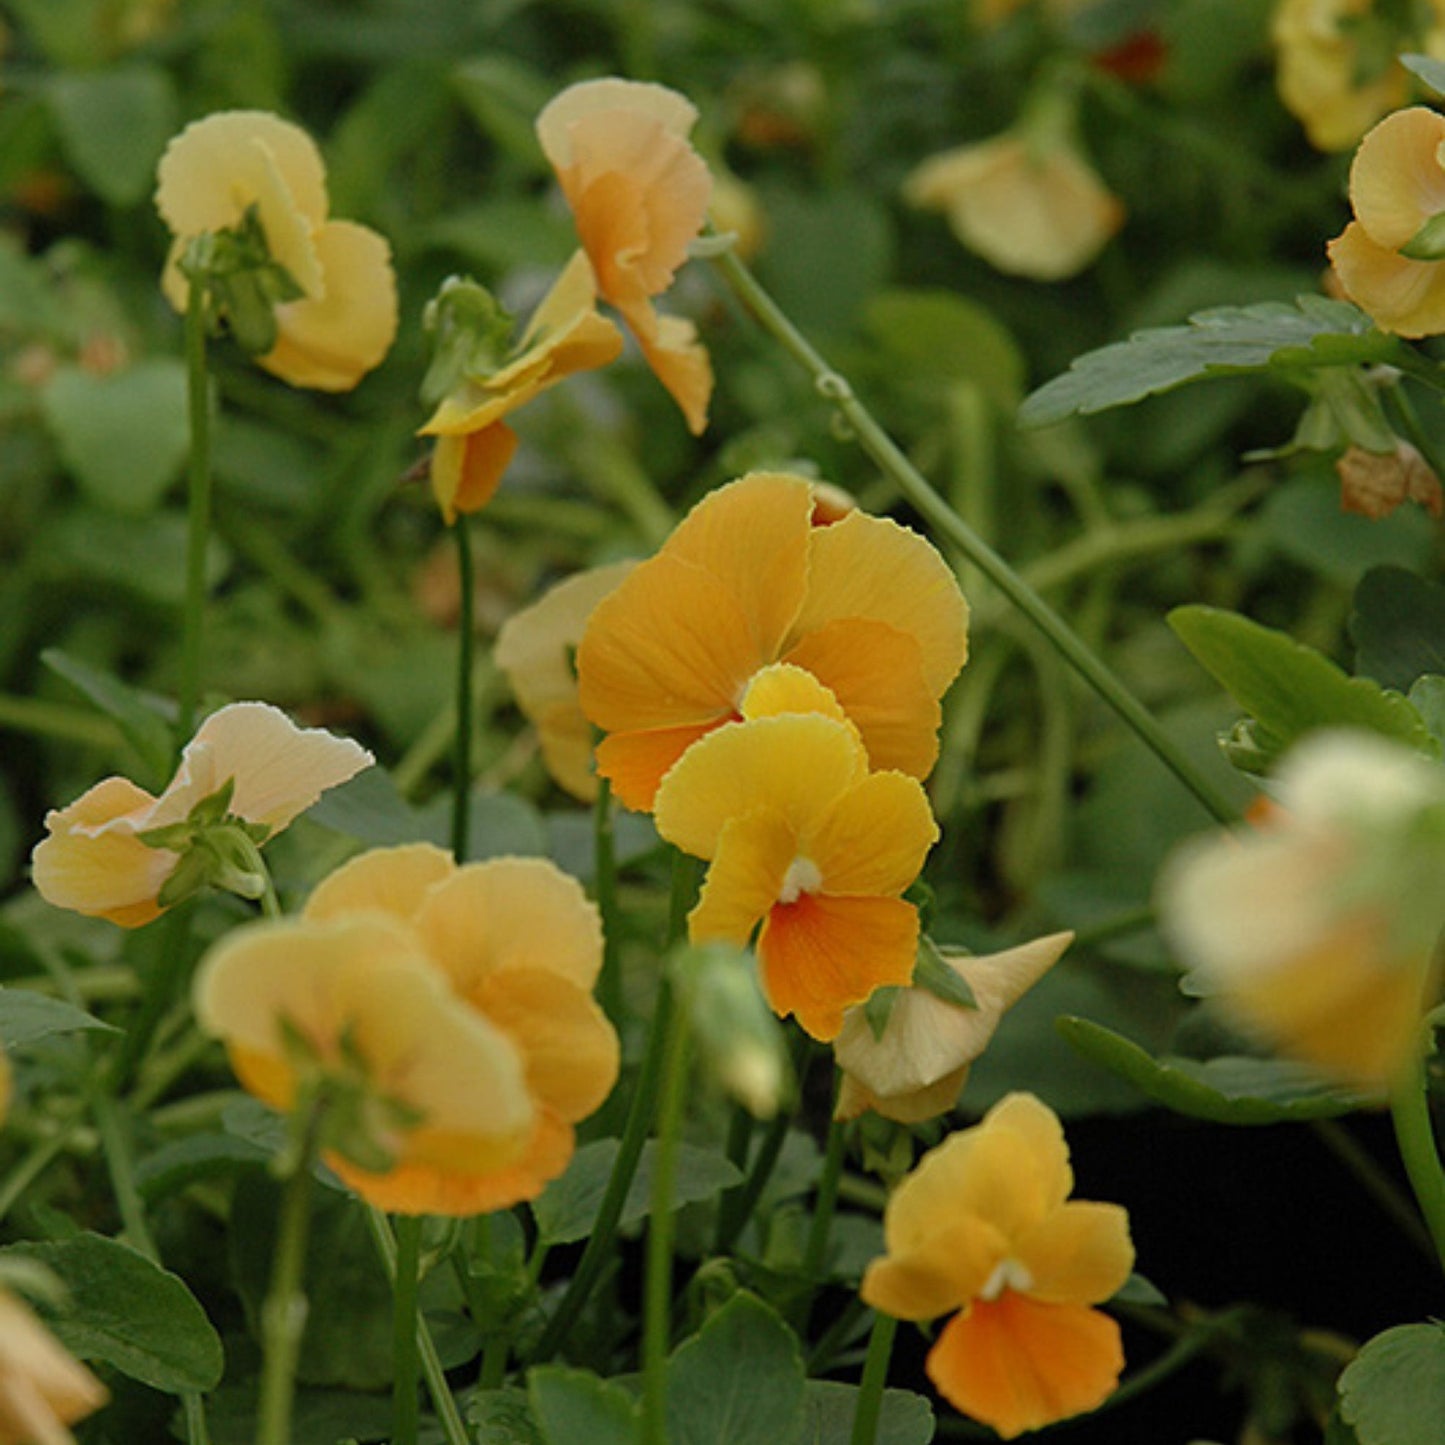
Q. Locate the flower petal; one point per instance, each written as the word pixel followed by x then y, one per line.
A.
pixel 44 1387
pixel 874 838
pixel 388 880
pixel 1396 180
pixel 1081 1254
pixel 635 763
pixel 1018 1364
pixel 748 868
pixel 466 470
pixel 934 1277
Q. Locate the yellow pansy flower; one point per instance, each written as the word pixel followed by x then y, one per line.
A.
pixel 227 165
pixel 42 1387
pixel 95 861
pixel 984 1225
pixel 639 194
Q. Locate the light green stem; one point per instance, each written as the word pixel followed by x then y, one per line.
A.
pixel 406 1408
pixel 952 529
pixel 466 648
pixel 116 1148
pixel 815 1252
pixel 1415 1136
pixel 875 1376
pixel 198 513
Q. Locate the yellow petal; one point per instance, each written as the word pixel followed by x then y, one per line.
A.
pixel 91 861
pixel 795 765
pixel 1396 180
pixel 784 688
pixel 331 340
pixel 864 566
pixel 746 877
pixel 42 1387
pixel 874 837
pixel 1017 1364
pixel 1081 1254
pixel 511 913
pixel 467 470
pixel 1399 295
pixel 388 880
pixel 822 955
pixel 676 357
pixel 635 763
pixel 580 103
pixel 933 1277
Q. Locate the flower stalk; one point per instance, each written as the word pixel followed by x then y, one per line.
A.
pixel 198 523
pixel 466 645
pixel 875 1376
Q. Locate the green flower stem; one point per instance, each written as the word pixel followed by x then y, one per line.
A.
pixel 604 852
pixel 953 530
pixel 1374 1181
pixel 1415 1136
pixel 875 1376
pixel 116 1148
pixel 661 1234
pixel 453 1429
pixel 283 1315
pixel 815 1251
pixel 406 1408
pixel 739 1202
pixel 466 648
pixel 198 513
pixel 35 1163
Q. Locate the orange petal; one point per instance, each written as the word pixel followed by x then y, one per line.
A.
pixel 876 673
pixel 874 838
pixel 796 765
pixel 745 879
pixel 636 763
pixel 330 341
pixel 676 357
pixel 1080 1254
pixel 389 880
pixel 1018 1364
pixel 864 566
pixel 466 470
pixel 821 955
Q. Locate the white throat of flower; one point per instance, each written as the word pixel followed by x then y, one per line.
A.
pixel 1008 1273
pixel 803 876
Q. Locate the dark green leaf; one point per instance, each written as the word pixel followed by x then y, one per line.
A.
pixel 143 717
pixel 829 1408
pixel 575 1407
pixel 144 555
pixel 1136 1290
pixel 114 125
pixel 126 1312
pixel 201 1156
pixel 1220 342
pixel 1393 1391
pixel 1233 1090
pixel 1398 627
pixel 1427 697
pixel 370 809
pixel 27 1017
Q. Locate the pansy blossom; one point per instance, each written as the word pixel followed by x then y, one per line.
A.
pixel 984 1226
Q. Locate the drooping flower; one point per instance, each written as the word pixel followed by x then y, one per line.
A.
pixel 984 1225
pixel 535 648
pixel 1027 201
pixel 42 1387
pixel 473 442
pixel 806 846
pixel 482 1116
pixel 746 580
pixel 1388 259
pixel 639 194
pixel 1319 930
pixel 321 292
pixel 96 860
pixel 917 1067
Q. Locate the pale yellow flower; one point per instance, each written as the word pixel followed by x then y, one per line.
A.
pixel 42 1387
pixel 916 1069
pixel 220 167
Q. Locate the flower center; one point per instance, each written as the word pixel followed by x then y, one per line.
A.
pixel 1007 1274
pixel 803 876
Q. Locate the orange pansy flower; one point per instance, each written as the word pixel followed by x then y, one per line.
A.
pixel 639 194
pixel 474 444
pixel 806 842
pixel 746 580
pixel 984 1225
pixel 514 947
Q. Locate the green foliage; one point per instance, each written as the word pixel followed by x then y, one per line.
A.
pixel 1398 627
pixel 27 1018
pixel 1393 1392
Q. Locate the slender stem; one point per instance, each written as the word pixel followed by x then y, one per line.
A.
pixel 1368 1174
pixel 283 1316
pixel 118 1160
pixel 661 1232
pixel 875 1376
pixel 836 1335
pixel 815 1251
pixel 466 648
pixel 453 1429
pixel 604 877
pixel 406 1408
pixel 951 528
pixel 1415 1136
pixel 35 1163
pixel 739 1202
pixel 198 512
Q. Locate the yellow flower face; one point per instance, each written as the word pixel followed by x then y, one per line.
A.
pixel 639 194
pixel 93 860
pixel 220 167
pixel 1397 184
pixel 1029 209
pixel 917 1068
pixel 808 846
pixel 474 444
pixel 984 1225
pixel 1318 930
pixel 466 994
pixel 747 580
pixel 42 1388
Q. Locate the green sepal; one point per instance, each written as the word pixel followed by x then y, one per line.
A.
pixel 471 334
pixel 921 895
pixel 1428 243
pixel 189 876
pixel 242 281
pixel 879 1008
pixel 213 808
pixel 931 970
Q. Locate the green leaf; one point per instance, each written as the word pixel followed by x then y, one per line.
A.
pixel 1289 689
pixel 124 437
pixel 1229 1090
pixel 145 555
pixel 500 825
pixel 1223 341
pixel 1136 1290
pixel 1393 1391
pixel 1398 626
pixel 829 1408
pixel 575 1407
pixel 114 124
pixel 1428 69
pixel 143 717
pixel 27 1017
pixel 1427 697
pixel 739 1378
pixel 182 1162
pixel 567 1209
pixel 369 808
pixel 126 1312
